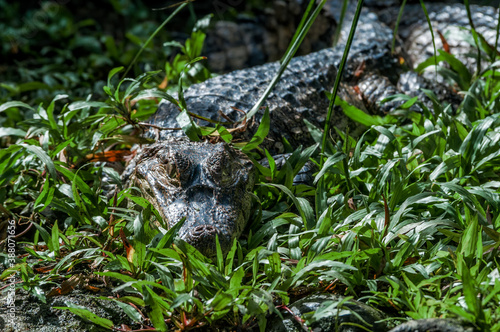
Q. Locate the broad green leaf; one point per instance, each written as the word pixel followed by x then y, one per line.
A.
pixel 221 301
pixel 112 73
pixel 43 200
pixel 55 239
pixel 470 293
pixel 315 132
pixel 50 112
pixel 470 146
pixel 261 133
pixel 127 308
pixel 156 314
pixel 44 157
pixel 219 256
pixel 88 315
pixel 469 240
pixel 11 104
pixel 167 239
pixel 188 126
pixel 224 133
pixel 230 258
pixel 180 92
pixel 45 235
pixel 359 116
pixel 116 275
pixel 323 264
pixel 328 165
pixel 405 208
pixel 466 195
pixel 11 270
pixel 448 165
pixel 305 210
pixel 78 105
pixel 463 73
pixel 12 132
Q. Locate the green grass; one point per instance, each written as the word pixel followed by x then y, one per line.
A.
pixel 406 218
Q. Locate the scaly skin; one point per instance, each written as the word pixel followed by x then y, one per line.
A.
pixel 299 95
pixel 447 19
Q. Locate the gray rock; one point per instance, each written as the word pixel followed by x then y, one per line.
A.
pixel 432 325
pixel 328 316
pixel 33 315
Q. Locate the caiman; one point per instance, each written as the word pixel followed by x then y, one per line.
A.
pixel 211 184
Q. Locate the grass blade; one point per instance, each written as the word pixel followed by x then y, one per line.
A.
pixel 286 59
pixel 476 41
pixel 396 26
pixel 339 76
pixel 152 36
pixel 430 29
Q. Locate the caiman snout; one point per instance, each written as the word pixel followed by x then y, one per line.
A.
pixel 204 231
pixel 203 238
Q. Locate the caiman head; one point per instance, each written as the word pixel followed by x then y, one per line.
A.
pixel 208 184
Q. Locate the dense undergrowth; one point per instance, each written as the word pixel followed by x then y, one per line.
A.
pixel 405 218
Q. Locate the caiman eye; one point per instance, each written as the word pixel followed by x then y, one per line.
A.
pixel 219 168
pixel 174 165
pixel 182 163
pixel 171 170
pixel 166 173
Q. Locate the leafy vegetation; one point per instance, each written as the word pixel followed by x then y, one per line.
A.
pixel 405 218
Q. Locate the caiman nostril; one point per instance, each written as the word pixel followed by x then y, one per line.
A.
pixel 204 231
